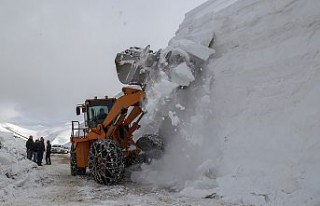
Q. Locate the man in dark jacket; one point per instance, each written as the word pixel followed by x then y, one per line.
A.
pixel 101 116
pixel 35 148
pixel 48 153
pixel 29 146
pixel 41 151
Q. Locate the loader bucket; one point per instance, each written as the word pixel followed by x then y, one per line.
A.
pixel 132 65
pixel 136 65
pixel 128 73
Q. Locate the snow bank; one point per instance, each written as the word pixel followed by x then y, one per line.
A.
pixel 249 130
pixel 16 172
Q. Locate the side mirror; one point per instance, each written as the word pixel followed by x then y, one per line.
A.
pixel 78 110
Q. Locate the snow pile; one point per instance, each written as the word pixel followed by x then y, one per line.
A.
pixel 249 128
pixel 16 172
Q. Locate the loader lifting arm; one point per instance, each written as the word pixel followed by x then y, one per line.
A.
pixel 118 124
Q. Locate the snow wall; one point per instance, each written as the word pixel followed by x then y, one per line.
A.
pixel 247 129
pixel 16 172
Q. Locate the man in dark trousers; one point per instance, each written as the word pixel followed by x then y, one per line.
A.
pixel 29 146
pixel 41 151
pixel 35 150
pixel 48 153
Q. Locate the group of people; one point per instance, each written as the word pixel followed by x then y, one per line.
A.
pixel 35 150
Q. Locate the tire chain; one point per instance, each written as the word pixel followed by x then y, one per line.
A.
pixel 106 162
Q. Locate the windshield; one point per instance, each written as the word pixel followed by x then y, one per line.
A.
pixel 97 110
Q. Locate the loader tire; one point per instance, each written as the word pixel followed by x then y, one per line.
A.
pixel 106 162
pixel 73 161
pixel 75 170
pixel 135 159
pixel 152 145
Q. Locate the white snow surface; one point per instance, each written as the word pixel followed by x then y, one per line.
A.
pixel 59 134
pixel 250 128
pixel 182 75
pixel 245 130
pixel 15 170
pixel 17 131
pixel 22 182
pixel 192 47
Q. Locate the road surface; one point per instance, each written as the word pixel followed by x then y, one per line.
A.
pixel 53 185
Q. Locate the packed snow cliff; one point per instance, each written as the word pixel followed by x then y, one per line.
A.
pixel 247 126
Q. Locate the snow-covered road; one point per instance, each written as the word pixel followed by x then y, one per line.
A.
pixel 53 185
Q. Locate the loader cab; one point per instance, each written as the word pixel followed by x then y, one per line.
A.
pixel 95 110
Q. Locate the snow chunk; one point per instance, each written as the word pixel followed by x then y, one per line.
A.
pixel 174 119
pixel 179 106
pixel 182 75
pixel 193 48
pixel 159 92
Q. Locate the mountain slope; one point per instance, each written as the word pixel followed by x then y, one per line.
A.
pixel 17 131
pixel 59 134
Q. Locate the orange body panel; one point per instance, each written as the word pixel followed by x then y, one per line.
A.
pixel 118 126
pixel 82 152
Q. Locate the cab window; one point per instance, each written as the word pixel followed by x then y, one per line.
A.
pixel 97 112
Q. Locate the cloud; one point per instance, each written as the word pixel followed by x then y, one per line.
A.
pixel 8 111
pixel 55 54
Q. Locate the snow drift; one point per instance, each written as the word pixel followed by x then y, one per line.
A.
pixel 247 128
pixel 17 173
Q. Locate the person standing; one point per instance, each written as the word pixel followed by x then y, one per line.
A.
pixel 48 153
pixel 29 146
pixel 35 148
pixel 41 151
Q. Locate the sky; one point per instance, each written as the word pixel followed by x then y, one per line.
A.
pixel 54 54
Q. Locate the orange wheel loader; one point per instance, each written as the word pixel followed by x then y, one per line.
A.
pixel 104 142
